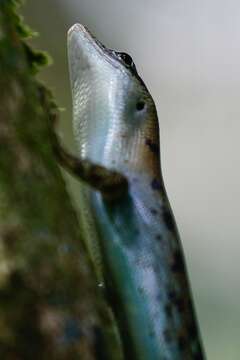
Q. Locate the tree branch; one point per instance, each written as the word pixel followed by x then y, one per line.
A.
pixel 50 305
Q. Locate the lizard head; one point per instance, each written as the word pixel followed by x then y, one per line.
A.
pixel 114 117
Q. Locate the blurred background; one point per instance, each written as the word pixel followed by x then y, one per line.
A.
pixel 188 54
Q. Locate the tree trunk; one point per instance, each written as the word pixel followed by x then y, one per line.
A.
pixel 50 306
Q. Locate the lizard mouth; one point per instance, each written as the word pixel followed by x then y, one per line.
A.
pixel 79 33
pixel 79 28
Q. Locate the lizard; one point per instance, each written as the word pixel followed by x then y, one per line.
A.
pixel 127 220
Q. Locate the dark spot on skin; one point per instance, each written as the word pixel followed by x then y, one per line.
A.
pixel 159 237
pixel 198 354
pixel 152 146
pixel 177 301
pixel 178 263
pixel 192 329
pixel 156 185
pixel 182 342
pixel 180 304
pixel 172 296
pixel 168 219
pixel 153 211
pixel 168 310
pixel 167 335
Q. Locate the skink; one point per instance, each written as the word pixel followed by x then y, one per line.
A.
pixel 133 241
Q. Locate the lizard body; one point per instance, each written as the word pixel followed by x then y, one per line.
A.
pixel 134 242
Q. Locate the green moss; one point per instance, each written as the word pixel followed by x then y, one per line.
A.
pixel 12 25
pixel 36 59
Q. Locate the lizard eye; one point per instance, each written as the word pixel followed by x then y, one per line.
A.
pixel 126 59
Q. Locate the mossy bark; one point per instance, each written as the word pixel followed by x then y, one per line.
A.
pixel 50 307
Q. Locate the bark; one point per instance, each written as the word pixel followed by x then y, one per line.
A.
pixel 50 306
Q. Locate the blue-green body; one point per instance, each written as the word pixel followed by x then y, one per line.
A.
pixel 153 311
